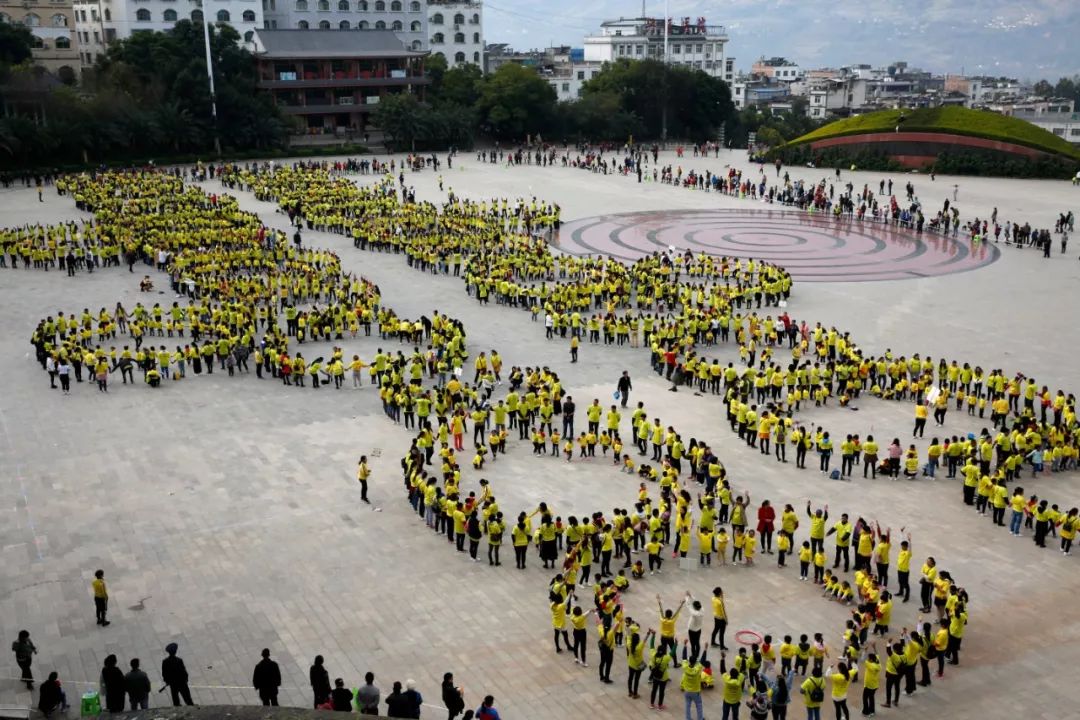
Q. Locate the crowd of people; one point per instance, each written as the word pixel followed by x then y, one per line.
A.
pixel 243 279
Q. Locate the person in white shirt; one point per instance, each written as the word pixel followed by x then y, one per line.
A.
pixel 694 624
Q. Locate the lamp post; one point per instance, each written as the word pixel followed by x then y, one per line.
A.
pixel 663 88
pixel 210 78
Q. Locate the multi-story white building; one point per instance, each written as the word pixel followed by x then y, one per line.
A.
pixel 568 79
pixel 100 22
pixel 406 18
pixel 692 44
pixel 456 31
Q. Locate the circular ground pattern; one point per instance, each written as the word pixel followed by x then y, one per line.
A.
pixel 813 248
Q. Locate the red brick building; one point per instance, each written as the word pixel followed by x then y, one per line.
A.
pixel 332 80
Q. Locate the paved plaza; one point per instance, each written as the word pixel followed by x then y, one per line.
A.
pixel 226 515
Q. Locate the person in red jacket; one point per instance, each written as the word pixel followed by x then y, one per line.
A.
pixel 766 517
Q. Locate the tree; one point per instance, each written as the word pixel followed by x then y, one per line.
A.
pixel 403 119
pixel 16 42
pixel 151 69
pixel 696 104
pixel 460 86
pixel 1043 89
pixel 516 102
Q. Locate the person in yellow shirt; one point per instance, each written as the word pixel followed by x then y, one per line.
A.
pixel 719 609
pixel 920 420
pixel 667 624
pixel 813 691
pixel 841 681
pixel 732 682
pixel 691 685
pixel 362 475
pixel 871 683
pixel 101 597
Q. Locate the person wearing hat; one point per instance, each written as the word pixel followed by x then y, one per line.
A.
pixel 175 676
pixel 267 679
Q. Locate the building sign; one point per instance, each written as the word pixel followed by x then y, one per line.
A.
pixel 654 26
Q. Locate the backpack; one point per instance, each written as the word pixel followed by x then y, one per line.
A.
pixel 817 692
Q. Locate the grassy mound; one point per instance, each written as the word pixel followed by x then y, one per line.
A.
pixel 956 120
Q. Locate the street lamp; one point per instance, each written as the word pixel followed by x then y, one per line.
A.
pixel 210 77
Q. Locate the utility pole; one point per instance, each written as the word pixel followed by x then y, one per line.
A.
pixel 210 78
pixel 664 88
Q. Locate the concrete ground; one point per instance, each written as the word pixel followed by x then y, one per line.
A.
pixel 225 513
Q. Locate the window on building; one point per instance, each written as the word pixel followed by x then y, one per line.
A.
pixel 380 25
pixel 301 5
pixel 169 16
pixel 580 74
pixel 459 19
pixel 32 20
pixel 223 16
pixel 142 15
pixel 324 5
pixel 417 45
pixel 438 39
pixel 414 6
pixel 415 26
pixel 476 57
pixel 93 14
pixel 343 25
pixel 459 37
pixel 59 20
pixel 324 24
pixel 249 16
pixel 380 6
pixel 249 35
pixel 36 42
pixel 459 57
pixel 437 19
pixel 475 19
pixel 362 25
pixel 4 17
pixel 566 87
pixel 97 38
pixel 676 49
pixel 397 26
pixel 476 38
pixel 362 6
pixel 196 16
pixel 63 43
pixel 302 25
pixel 699 47
pixel 395 6
pixel 343 5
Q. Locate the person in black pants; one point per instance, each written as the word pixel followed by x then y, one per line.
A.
pixel 624 387
pixel 607 649
pixel 175 675
pixel 868 694
pixel 267 679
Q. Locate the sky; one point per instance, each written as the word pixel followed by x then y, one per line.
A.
pixel 1028 39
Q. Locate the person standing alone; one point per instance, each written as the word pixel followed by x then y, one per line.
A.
pixel 101 597
pixel 25 650
pixel 624 387
pixel 175 676
pixel 267 679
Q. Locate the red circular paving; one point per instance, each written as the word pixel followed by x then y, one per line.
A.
pixel 813 248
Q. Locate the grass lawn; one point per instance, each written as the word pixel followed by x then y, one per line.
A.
pixel 951 119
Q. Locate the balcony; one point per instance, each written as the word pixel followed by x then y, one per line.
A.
pixel 326 109
pixel 312 83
